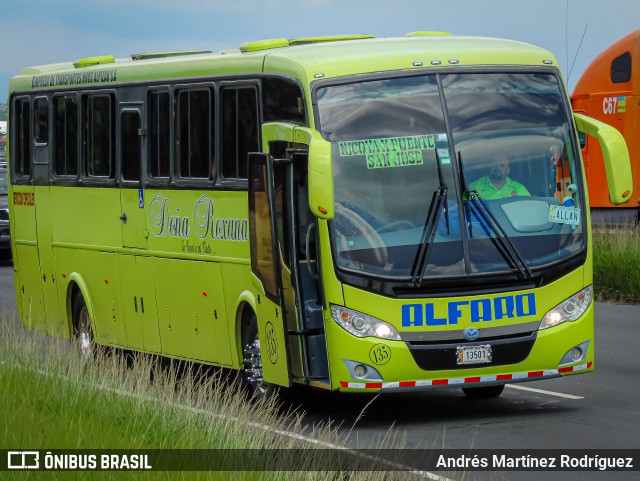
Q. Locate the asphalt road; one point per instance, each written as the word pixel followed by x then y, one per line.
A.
pixel 593 411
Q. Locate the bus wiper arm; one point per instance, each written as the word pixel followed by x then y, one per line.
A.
pixel 443 187
pixel 505 245
pixel 465 189
pixel 438 201
pixel 428 234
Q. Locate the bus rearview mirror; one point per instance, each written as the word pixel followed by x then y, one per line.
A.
pixel 615 155
pixel 320 178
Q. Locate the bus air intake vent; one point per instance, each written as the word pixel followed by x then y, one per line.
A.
pixel 333 38
pixel 90 61
pixel 148 56
pixel 264 45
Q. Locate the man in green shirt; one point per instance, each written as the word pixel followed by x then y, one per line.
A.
pixel 498 185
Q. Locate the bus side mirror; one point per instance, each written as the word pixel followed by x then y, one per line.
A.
pixel 320 178
pixel 615 155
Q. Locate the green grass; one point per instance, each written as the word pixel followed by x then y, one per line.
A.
pixel 616 265
pixel 53 398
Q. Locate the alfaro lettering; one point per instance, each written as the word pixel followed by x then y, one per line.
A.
pixel 477 310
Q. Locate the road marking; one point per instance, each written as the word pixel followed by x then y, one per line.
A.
pixel 542 391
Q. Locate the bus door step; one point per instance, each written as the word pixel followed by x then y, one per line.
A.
pixel 314 352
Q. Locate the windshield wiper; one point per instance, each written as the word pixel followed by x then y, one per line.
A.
pixel 438 201
pixel 504 244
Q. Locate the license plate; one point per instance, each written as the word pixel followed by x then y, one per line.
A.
pixel 474 354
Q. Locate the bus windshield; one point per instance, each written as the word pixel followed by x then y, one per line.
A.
pixel 497 146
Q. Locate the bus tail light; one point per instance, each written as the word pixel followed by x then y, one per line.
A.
pixel 363 325
pixel 569 310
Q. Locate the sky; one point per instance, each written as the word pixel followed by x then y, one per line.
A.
pixel 37 32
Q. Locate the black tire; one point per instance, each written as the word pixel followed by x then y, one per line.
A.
pixel 82 327
pixel 485 392
pixel 251 374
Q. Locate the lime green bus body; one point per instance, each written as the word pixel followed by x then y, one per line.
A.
pixel 176 278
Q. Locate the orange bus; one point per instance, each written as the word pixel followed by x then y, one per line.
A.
pixel 609 90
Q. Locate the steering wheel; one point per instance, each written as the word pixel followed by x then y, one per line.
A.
pixel 348 224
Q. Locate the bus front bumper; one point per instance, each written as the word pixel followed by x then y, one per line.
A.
pixel 472 381
pixel 391 366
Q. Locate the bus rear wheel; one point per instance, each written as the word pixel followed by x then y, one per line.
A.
pixel 485 392
pixel 252 376
pixel 82 328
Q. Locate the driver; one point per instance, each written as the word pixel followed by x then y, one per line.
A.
pixel 498 184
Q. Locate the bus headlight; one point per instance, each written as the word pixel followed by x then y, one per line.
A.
pixel 362 325
pixel 569 310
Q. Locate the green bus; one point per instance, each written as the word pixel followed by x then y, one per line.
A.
pixel 350 213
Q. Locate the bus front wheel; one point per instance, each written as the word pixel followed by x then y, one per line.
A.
pixel 484 392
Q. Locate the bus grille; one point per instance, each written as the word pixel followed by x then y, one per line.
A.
pixel 436 357
pixel 4 214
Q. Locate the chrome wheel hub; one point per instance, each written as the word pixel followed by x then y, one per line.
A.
pixel 253 365
pixel 85 336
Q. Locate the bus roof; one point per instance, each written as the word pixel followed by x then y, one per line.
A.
pixel 306 59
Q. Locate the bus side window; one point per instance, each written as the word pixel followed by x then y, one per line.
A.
pixel 282 100
pixel 21 146
pixel 41 120
pixel 240 130
pixel 195 129
pixel 159 122
pixel 131 145
pixel 65 135
pixel 99 136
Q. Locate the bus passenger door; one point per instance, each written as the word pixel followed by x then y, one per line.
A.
pixel 265 265
pixel 307 344
pixel 132 195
